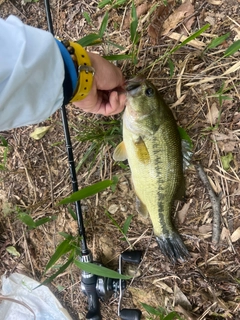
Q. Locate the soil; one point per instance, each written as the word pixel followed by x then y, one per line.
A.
pixel 203 93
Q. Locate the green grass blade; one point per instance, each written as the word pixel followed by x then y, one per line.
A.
pixel 115 45
pixel 42 221
pixel 192 37
pixel 103 3
pixel 171 67
pixel 99 270
pixel 3 142
pixel 103 25
pixel 185 136
pixel 87 191
pixel 66 235
pixel 217 41
pixel 152 310
pixel 62 248
pixel 87 17
pixel 117 57
pixel 90 40
pixel 134 23
pixel 232 49
pixel 72 213
pixel 127 224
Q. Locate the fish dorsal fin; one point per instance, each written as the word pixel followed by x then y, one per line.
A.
pixel 141 208
pixel 120 153
pixel 142 151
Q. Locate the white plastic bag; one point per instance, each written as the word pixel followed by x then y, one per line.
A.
pixel 38 304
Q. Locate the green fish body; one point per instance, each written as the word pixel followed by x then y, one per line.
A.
pixel 152 145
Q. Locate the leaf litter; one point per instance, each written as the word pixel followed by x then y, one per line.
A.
pixel 210 279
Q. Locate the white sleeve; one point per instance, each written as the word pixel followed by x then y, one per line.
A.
pixel 31 74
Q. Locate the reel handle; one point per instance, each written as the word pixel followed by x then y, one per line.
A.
pixel 130 314
pixel 89 288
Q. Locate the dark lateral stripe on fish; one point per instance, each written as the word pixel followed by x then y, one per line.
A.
pixel 157 164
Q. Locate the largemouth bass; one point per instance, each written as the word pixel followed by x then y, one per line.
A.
pixel 152 145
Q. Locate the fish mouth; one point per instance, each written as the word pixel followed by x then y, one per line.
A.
pixel 133 86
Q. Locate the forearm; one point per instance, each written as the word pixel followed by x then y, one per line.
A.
pixel 31 74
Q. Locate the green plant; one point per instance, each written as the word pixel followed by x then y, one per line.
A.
pixel 124 228
pixel 98 133
pixel 160 313
pixel 4 146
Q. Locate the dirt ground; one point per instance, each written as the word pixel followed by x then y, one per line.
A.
pixel 207 286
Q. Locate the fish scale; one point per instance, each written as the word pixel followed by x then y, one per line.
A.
pixel 152 145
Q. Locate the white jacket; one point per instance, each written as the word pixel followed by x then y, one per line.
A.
pixel 31 74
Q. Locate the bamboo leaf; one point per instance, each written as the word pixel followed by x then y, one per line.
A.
pixel 217 41
pixel 61 270
pixel 99 270
pixel 62 248
pixel 232 49
pixel 87 191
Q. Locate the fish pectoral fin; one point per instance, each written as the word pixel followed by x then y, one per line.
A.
pixel 141 150
pixel 120 153
pixel 141 208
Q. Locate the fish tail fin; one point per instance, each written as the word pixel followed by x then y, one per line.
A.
pixel 173 247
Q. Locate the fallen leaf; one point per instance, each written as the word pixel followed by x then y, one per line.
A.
pixel 162 285
pixel 13 251
pixel 181 299
pixel 213 114
pixel 226 160
pixel 155 27
pixel 39 132
pixel 183 212
pixel 206 228
pixel 224 234
pixel 236 235
pixel 185 10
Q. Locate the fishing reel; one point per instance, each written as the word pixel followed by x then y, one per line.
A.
pixel 102 288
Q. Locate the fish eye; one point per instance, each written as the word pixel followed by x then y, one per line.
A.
pixel 149 92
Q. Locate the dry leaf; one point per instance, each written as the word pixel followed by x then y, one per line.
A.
pixel 39 132
pixel 236 235
pixel 161 14
pixel 162 285
pixel 215 2
pixel 185 10
pixel 181 299
pixel 224 234
pixel 183 212
pixel 213 114
pixel 206 228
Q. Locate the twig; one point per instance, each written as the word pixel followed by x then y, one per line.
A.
pixel 215 200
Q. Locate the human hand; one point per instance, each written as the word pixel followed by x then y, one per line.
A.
pixel 106 96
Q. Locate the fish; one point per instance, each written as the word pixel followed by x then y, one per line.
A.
pixel 152 145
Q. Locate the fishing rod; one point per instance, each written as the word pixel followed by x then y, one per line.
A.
pixel 94 287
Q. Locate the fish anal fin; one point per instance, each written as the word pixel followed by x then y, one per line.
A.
pixel 141 208
pixel 120 153
pixel 142 151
